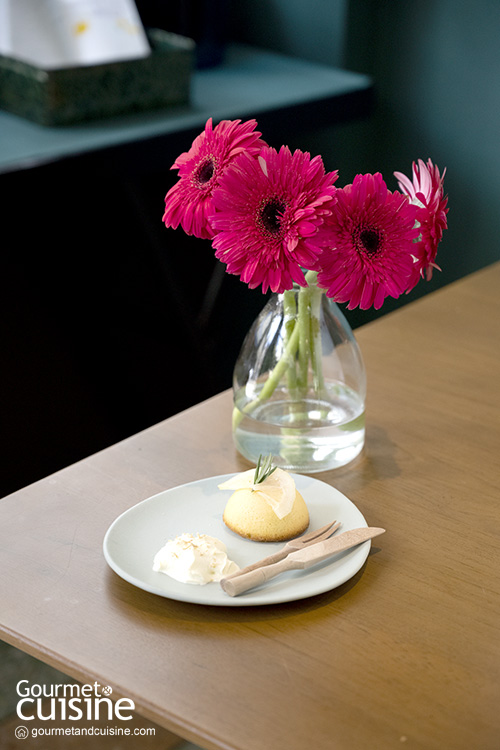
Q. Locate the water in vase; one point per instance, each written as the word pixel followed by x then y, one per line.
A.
pixel 310 434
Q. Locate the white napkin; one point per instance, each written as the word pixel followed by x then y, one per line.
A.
pixel 69 33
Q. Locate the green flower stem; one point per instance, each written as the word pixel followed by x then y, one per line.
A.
pixel 316 347
pixel 311 278
pixel 290 311
pixel 299 338
pixel 274 378
pixel 304 310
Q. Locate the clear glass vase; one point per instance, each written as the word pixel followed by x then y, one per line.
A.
pixel 299 385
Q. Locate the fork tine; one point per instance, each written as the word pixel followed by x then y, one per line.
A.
pixel 326 534
pixel 317 533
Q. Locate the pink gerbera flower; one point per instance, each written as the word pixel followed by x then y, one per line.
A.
pixel 270 216
pixel 426 192
pixel 371 254
pixel 189 201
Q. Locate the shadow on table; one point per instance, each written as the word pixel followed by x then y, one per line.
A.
pixel 167 613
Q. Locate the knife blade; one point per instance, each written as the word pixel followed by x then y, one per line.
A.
pixel 300 559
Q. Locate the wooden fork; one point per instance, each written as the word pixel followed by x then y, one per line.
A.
pixel 318 535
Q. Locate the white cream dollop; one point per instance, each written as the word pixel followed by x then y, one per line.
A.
pixel 197 559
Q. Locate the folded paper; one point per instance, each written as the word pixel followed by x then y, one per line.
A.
pixel 71 33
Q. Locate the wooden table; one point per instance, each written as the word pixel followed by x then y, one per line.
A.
pixel 406 654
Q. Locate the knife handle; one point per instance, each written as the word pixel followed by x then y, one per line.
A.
pixel 298 560
pixel 245 581
pixel 276 557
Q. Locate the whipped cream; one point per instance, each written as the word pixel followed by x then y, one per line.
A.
pixel 197 559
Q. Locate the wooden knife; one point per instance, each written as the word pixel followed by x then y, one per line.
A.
pixel 299 560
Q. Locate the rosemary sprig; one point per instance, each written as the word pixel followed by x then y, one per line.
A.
pixel 264 469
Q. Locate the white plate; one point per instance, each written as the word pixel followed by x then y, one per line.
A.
pixel 133 539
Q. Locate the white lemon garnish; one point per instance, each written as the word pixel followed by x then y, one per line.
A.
pixel 278 489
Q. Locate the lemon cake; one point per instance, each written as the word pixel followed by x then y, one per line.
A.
pixel 268 509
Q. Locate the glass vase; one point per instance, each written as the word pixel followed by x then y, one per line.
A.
pixel 299 385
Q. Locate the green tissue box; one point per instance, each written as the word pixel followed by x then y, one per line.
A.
pixel 67 95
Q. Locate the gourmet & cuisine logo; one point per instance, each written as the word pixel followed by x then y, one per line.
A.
pixel 71 702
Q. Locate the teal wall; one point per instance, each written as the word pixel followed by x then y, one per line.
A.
pixel 312 29
pixel 436 68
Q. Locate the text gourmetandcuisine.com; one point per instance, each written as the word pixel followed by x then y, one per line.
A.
pixel 71 702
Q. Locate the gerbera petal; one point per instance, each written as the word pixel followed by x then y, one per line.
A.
pixel 188 203
pixel 263 164
pixel 307 228
pixel 291 243
pixel 427 192
pixel 405 184
pixel 265 216
pixel 373 234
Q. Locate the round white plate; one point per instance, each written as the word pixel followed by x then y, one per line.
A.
pixel 134 538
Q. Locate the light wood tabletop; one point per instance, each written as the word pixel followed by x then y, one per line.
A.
pixel 405 654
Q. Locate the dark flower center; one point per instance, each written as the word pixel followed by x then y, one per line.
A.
pixel 271 215
pixel 369 241
pixel 205 172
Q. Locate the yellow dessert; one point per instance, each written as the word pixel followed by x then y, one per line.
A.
pixel 265 505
